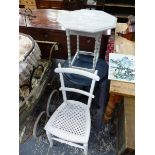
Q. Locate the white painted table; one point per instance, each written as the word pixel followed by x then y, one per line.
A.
pixel 90 23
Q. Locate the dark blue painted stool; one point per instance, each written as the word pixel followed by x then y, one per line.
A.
pixel 83 83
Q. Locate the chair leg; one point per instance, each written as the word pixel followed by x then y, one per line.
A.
pixel 49 136
pixel 85 148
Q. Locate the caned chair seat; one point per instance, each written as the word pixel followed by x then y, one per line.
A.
pixel 71 122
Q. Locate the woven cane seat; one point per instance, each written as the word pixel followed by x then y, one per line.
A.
pixel 71 122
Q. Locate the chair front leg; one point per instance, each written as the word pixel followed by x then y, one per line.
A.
pixel 85 148
pixel 49 136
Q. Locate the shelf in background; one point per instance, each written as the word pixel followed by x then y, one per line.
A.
pixel 119 5
pixel 120 9
pixel 121 15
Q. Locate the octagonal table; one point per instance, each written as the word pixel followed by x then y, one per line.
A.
pixel 89 23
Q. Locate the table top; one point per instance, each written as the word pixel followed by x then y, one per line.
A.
pixel 90 21
pixel 122 88
pixel 127 47
pixel 45 19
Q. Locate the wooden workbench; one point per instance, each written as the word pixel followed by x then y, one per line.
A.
pixel 119 90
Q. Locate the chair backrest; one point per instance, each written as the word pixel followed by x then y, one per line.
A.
pixel 90 75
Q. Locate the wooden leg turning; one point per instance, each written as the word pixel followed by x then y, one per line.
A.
pixel 113 100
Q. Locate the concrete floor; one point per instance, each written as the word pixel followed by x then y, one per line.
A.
pixel 99 144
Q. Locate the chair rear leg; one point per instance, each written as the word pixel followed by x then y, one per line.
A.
pixel 49 136
pixel 85 148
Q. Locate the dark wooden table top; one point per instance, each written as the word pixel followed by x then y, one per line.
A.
pixel 45 18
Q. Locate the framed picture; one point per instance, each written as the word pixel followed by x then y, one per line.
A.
pixel 121 67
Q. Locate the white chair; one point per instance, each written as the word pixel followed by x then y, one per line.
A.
pixel 71 122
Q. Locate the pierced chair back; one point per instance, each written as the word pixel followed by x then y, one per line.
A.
pixel 64 89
